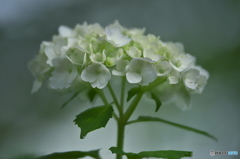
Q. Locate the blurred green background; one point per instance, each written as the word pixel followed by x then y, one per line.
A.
pixel 35 124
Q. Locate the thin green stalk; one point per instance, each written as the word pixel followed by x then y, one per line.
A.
pixel 115 99
pixel 104 99
pixel 123 91
pixel 154 84
pixel 133 106
pixel 136 100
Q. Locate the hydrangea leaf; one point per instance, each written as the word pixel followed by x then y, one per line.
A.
pixel 92 94
pixel 132 92
pixel 93 118
pixel 72 155
pixel 157 101
pixel 166 154
pixel 155 119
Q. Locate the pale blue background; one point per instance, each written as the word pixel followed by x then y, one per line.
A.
pixel 209 30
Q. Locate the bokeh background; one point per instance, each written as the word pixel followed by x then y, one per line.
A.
pixel 35 124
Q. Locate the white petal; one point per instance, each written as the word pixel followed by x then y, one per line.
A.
pixel 182 62
pixel 63 74
pixel 120 69
pixel 148 75
pixel 65 31
pixel 181 99
pixel 163 68
pixel 142 40
pixel 97 74
pixel 115 37
pixel 134 52
pixel 118 73
pixel 135 65
pixel 50 52
pixel 76 56
pixel 37 84
pixel 191 74
pixel 101 81
pixel 202 71
pixel 136 32
pixel 173 77
pixel 141 67
pixel 98 57
pixel 89 73
pixel 150 53
pixel 133 77
pixel 63 79
pixel 190 84
pixel 202 80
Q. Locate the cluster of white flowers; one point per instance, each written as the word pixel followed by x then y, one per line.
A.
pixel 91 53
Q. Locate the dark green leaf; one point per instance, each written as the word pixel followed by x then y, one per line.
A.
pixel 149 119
pixel 92 94
pixel 167 154
pixel 93 118
pixel 128 154
pixel 132 92
pixel 69 100
pixel 72 155
pixel 157 100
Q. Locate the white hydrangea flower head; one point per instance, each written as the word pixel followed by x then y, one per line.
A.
pixel 88 55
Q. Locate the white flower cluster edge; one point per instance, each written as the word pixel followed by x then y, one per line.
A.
pixel 91 53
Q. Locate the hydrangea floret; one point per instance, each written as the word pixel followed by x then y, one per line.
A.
pixel 89 57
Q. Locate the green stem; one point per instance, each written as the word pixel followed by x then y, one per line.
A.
pixel 120 136
pixel 155 83
pixel 104 99
pixel 123 91
pixel 115 99
pixel 133 106
pixel 136 100
pixel 121 123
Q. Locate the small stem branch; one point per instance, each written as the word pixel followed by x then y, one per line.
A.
pixel 115 99
pixel 123 91
pixel 154 84
pixel 133 106
pixel 104 99
pixel 102 96
pixel 136 100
